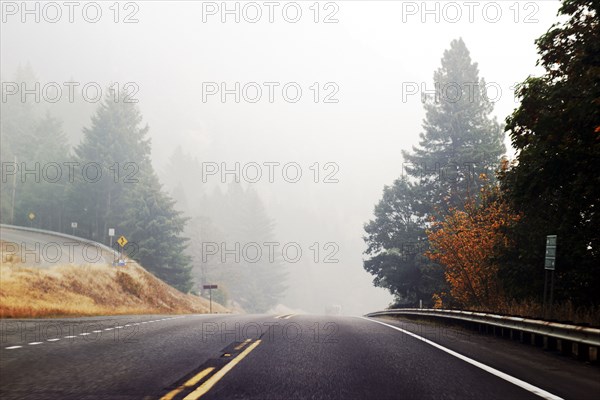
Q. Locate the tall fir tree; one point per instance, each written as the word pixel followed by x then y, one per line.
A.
pixel 153 224
pixel 459 141
pixel 264 282
pixel 126 194
pixel 113 154
pixel 240 224
pixel 38 146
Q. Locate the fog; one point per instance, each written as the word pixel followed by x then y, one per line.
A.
pixel 369 62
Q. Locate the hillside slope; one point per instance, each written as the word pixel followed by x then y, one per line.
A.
pixel 70 290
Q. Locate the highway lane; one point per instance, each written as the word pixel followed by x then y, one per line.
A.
pixel 44 250
pixel 261 357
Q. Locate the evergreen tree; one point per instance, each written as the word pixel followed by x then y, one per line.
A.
pixel 153 224
pixel 19 117
pixel 396 243
pixel 127 194
pixel 208 267
pixel 459 141
pixel 39 148
pixel 264 282
pixel 184 181
pixel 16 136
pixel 113 153
pixel 46 195
pixel 240 219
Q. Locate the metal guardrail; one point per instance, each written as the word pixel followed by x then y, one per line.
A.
pixel 572 333
pixel 112 252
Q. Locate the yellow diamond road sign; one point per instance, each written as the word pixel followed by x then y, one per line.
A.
pixel 31 216
pixel 122 241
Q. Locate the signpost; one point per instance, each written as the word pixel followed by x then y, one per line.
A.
pixel 73 227
pixel 122 242
pixel 549 266
pixel 111 233
pixel 210 288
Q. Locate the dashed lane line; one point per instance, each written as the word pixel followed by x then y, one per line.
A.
pixel 88 333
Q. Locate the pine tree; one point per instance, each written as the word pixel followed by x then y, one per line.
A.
pixel 113 152
pixel 459 140
pixel 154 226
pixel 46 197
pixel 128 195
pixel 183 177
pixel 396 243
pixel 240 219
pixel 38 145
pixel 265 279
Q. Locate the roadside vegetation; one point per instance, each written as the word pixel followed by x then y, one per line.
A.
pixel 167 226
pixel 464 227
pixel 70 291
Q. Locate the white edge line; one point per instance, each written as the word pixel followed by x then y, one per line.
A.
pixel 13 347
pixel 515 381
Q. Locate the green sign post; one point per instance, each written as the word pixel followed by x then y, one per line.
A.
pixel 550 252
pixel 549 265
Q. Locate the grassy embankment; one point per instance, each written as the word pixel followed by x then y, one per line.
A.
pixel 72 290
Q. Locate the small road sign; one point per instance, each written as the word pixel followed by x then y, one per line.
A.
pixel 31 216
pixel 210 288
pixel 111 232
pixel 73 225
pixel 550 259
pixel 122 241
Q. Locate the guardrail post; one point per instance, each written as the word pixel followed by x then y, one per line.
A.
pixel 575 350
pixel 568 339
pixel 566 347
pixel 593 354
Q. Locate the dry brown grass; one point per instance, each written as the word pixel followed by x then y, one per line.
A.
pixel 565 312
pixel 70 290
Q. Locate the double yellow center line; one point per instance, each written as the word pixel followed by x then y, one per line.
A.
pixel 216 377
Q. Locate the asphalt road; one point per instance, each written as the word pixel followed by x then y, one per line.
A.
pixel 44 250
pixel 275 357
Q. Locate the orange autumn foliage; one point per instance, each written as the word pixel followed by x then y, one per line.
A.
pixel 465 243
